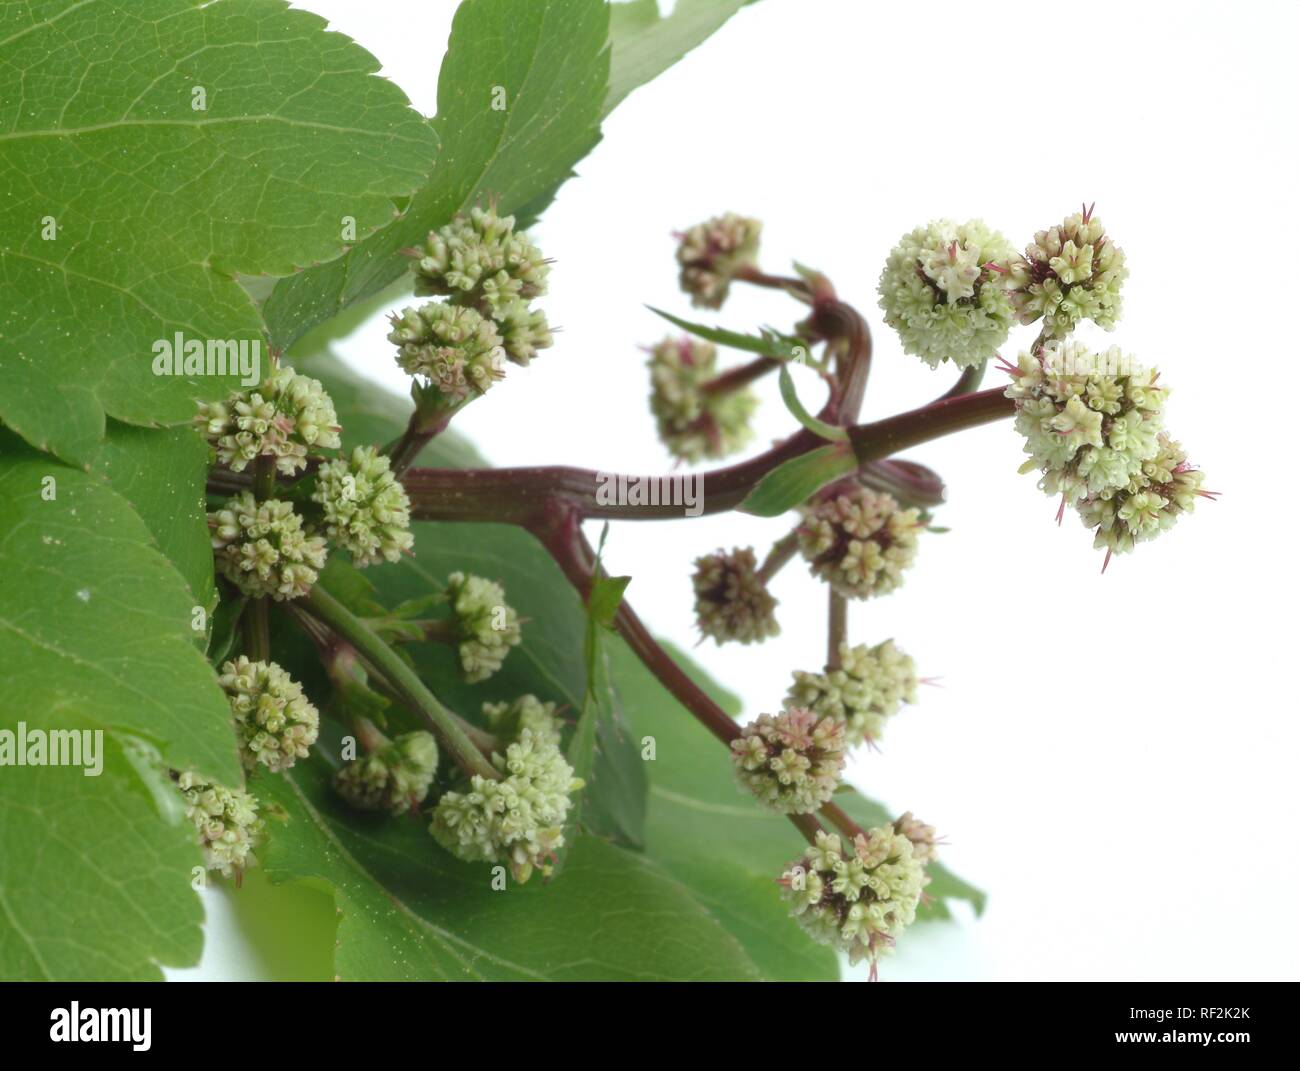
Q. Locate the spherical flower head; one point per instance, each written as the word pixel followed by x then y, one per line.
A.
pixel 1090 420
pixel 478 259
pixel 940 296
pixel 711 253
pixel 731 600
pixel 395 777
pixel 517 820
pixel 286 417
pixel 1068 273
pixel 456 349
pixel 924 838
pixel 262 549
pixel 692 423
pixel 226 822
pixel 1166 487
pixel 367 510
pixel 858 540
pixel 276 724
pixel 486 627
pixel 863 692
pixel 508 720
pixel 857 901
pixel 790 762
pixel 524 330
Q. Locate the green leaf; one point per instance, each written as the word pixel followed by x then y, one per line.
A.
pixel 129 208
pixel 796 480
pixel 96 877
pixel 162 473
pixel 409 911
pixel 645 45
pixel 829 432
pixel 551 59
pixel 767 344
pixel 95 622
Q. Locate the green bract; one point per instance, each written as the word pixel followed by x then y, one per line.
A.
pixel 939 295
pixel 275 722
pixel 262 549
pixel 791 762
pixel 366 510
pixel 287 417
pixel 732 602
pixel 710 254
pixel 858 540
pixel 863 692
pixel 694 423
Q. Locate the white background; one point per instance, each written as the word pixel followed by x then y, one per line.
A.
pixel 1113 758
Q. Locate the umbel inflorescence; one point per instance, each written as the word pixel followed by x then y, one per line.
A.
pixel 293 514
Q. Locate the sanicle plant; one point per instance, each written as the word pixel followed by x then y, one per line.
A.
pixel 407 675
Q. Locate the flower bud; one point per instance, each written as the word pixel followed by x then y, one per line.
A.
pixel 731 601
pixel 711 253
pixel 457 350
pixel 367 510
pixel 938 294
pixel 276 724
pixel 226 823
pixel 1069 273
pixel 691 422
pixel 286 417
pixel 486 627
pixel 395 777
pixel 261 548
pixel 517 820
pixel 791 762
pixel 858 540
pixel 864 692
pixel 859 901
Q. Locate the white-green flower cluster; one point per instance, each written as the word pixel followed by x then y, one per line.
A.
pixel 924 838
pixel 858 540
pixel 692 423
pixel 1089 420
pixel 275 723
pixel 367 510
pixel 486 626
pixel 1165 488
pixel 226 822
pixel 790 762
pixel 262 548
pixel 458 351
pixel 710 254
pixel 863 692
pixel 508 720
pixel 859 901
pixel 732 602
pixel 395 777
pixel 1069 273
pixel 478 261
pixel 286 417
pixel 517 820
pixel 939 295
